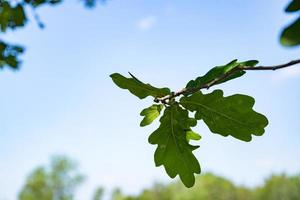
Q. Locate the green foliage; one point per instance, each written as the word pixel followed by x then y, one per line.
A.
pixel 191 135
pixel 98 194
pixel 59 181
pixel 37 186
pixel 173 150
pixel 137 87
pixel 117 194
pixel 208 187
pixel 290 36
pixel 37 3
pixel 212 187
pixel 11 16
pixel 293 6
pixel 9 55
pixel 232 115
pixel 220 71
pixel 280 187
pixel 150 114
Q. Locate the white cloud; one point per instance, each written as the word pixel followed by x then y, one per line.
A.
pixel 146 23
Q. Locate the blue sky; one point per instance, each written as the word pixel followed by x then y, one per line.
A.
pixel 62 101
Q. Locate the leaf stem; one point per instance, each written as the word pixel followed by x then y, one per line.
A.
pixel 222 77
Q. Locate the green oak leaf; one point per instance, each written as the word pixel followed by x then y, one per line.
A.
pixel 11 16
pixel 232 115
pixel 138 88
pixel 290 36
pixel 19 16
pixel 9 55
pixel 150 114
pixel 293 6
pixel 37 3
pixel 191 135
pixel 173 150
pixel 218 71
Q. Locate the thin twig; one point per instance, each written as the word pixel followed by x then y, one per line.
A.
pixel 219 79
pixel 293 62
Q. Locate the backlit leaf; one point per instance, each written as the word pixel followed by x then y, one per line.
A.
pixel 9 55
pixel 293 6
pixel 150 114
pixel 138 88
pixel 191 135
pixel 232 115
pixel 173 150
pixel 218 71
pixel 11 16
pixel 291 34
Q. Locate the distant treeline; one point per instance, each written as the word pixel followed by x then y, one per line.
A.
pixel 60 180
pixel 212 187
